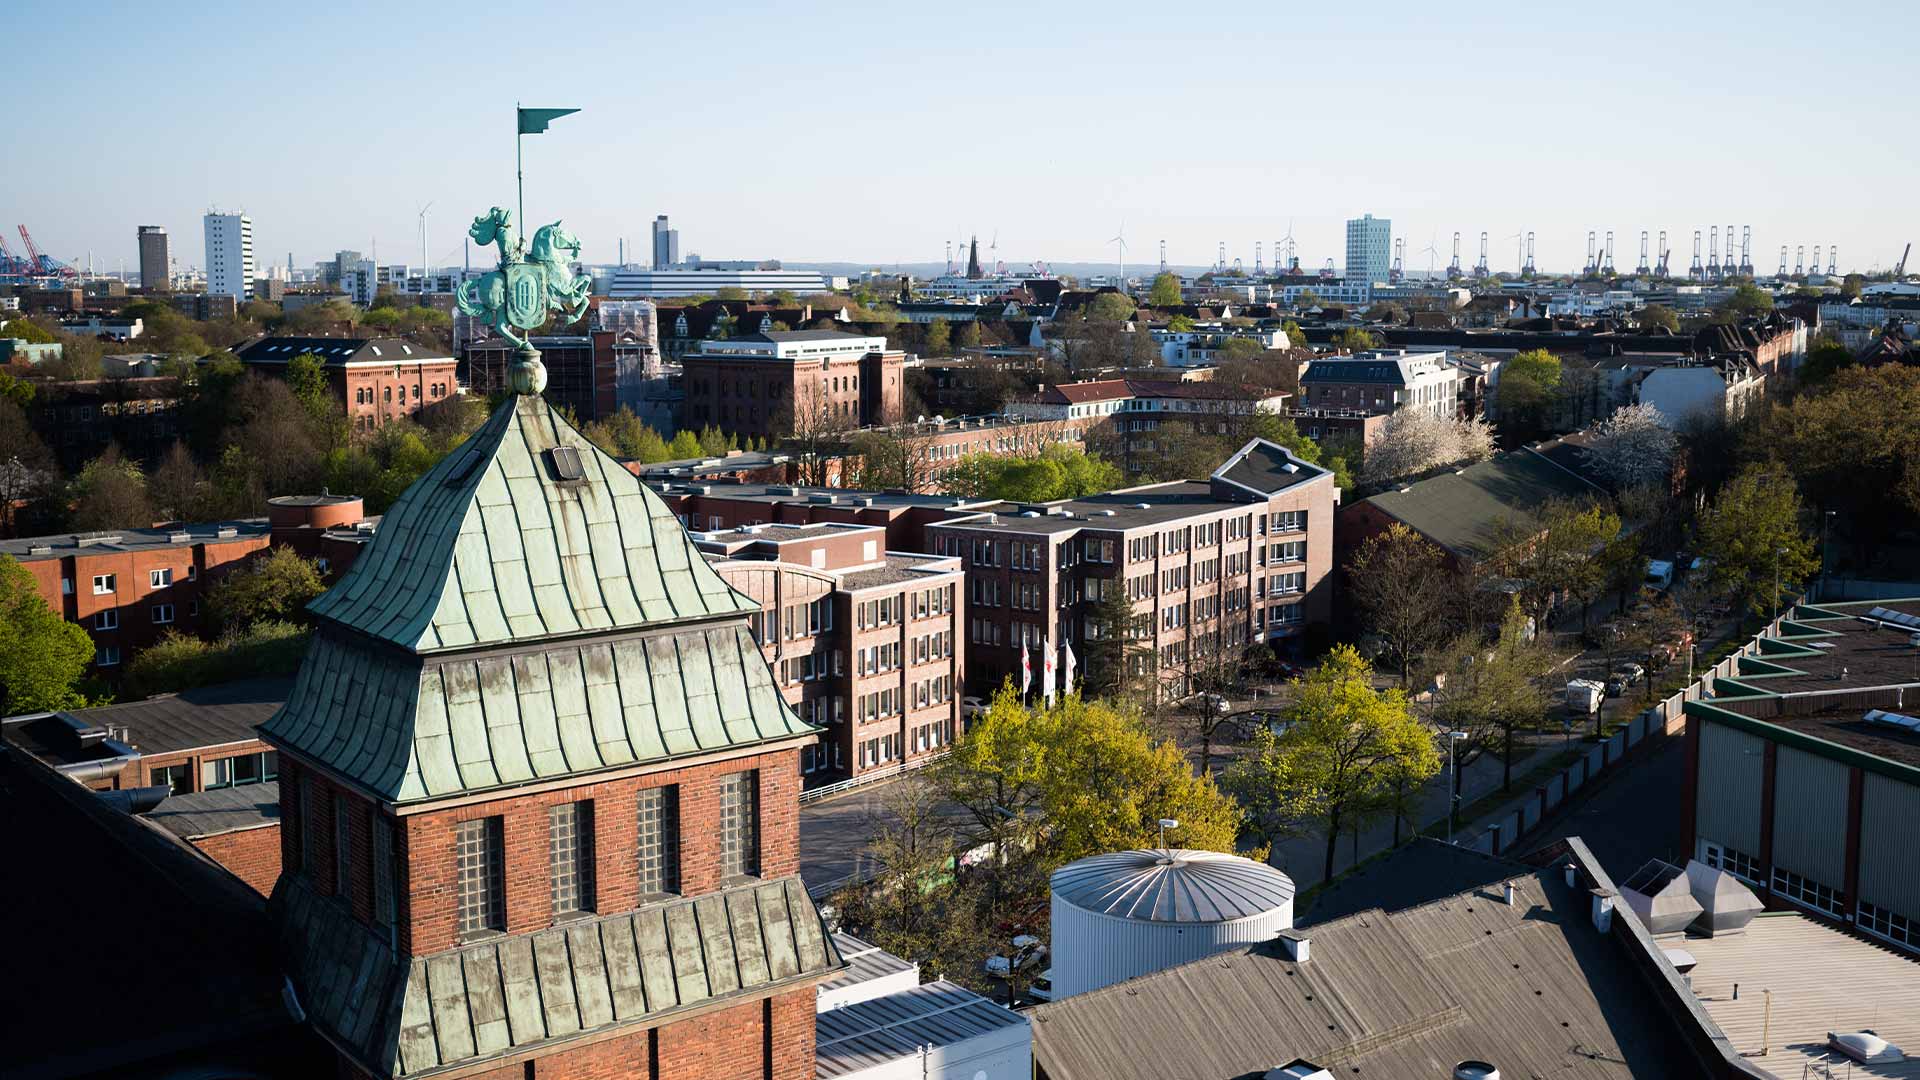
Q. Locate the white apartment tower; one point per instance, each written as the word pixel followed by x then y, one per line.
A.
pixel 230 256
pixel 1369 249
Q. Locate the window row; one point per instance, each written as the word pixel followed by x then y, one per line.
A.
pixel 875 659
pixel 930 647
pixel 929 692
pixel 796 669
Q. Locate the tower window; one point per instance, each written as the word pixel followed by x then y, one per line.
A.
pixel 659 845
pixel 570 856
pixel 479 859
pixel 739 834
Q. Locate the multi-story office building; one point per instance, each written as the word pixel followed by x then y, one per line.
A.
pixel 666 244
pixel 800 380
pixel 863 642
pixel 155 272
pixel 1381 381
pixel 1209 565
pixel 230 256
pixel 377 380
pixel 695 278
pixel 1369 249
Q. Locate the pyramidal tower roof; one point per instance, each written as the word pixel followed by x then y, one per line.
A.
pixel 527 611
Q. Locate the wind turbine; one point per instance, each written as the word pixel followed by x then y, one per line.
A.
pixel 1431 253
pixel 1120 240
pixel 424 273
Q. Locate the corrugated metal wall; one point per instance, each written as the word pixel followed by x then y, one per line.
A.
pixel 1889 870
pixel 1091 950
pixel 1729 788
pixel 1810 816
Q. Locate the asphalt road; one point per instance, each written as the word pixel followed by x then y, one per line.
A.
pixel 1631 816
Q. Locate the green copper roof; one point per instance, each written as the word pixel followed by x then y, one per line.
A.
pixel 508 626
pixel 518 991
pixel 491 547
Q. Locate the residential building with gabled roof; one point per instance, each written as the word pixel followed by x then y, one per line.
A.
pixel 540 791
pixel 376 380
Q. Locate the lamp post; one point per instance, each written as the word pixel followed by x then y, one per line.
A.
pixel 1777 552
pixel 1826 522
pixel 1453 781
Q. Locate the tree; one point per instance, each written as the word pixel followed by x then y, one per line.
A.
pixel 1657 317
pixel 1239 350
pixel 1116 658
pixel 1077 779
pixel 1345 749
pixel 42 656
pixel 1413 441
pixel 1058 472
pixel 79 361
pixel 1526 391
pixel 1752 533
pixel 110 492
pixel 623 435
pixel 1165 291
pixel 275 586
pixel 1306 300
pixel 1747 301
pixel 1552 552
pixel 29 331
pixel 1633 448
pixel 1825 358
pixel 938 338
pixel 306 376
pixel 1180 324
pixel 27 467
pixel 1296 337
pixel 1386 311
pixel 897 459
pixel 181 662
pixel 178 486
pixel 1212 673
pixel 968 336
pixel 1404 593
pixel 1490 685
pixel 1353 339
pixel 1110 307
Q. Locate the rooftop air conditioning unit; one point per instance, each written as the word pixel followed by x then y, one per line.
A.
pixel 179 537
pixel 227 532
pixel 40 549
pixel 1865 1047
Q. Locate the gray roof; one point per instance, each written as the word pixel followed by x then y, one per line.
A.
pixel 515 992
pixel 1267 468
pixel 468 723
pixel 489 548
pixel 1382 370
pixel 865 962
pixel 640 652
pixel 336 352
pixel 1113 511
pixel 222 810
pixel 1178 885
pixel 1462 512
pixel 192 719
pixel 896 569
pixel 63 545
pixel 1532 988
pixel 802 335
pixel 868 1033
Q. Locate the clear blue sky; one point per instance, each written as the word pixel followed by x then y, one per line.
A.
pixel 875 132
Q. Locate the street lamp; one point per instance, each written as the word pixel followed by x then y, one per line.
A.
pixel 1453 781
pixel 1777 552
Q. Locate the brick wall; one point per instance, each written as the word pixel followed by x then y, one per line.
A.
pixel 252 855
pixel 429 918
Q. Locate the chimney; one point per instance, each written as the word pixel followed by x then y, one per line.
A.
pixel 1510 892
pixel 1603 909
pixel 1572 873
pixel 1295 942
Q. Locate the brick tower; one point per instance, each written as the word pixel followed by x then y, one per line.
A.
pixel 540 792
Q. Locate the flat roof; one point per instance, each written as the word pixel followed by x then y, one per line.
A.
pixel 1821 979
pixel 898 567
pixel 1845 725
pixel 1131 508
pixel 816 496
pixel 865 1034
pixel 1842 654
pixel 222 810
pixel 114 541
pixel 194 719
pixel 865 962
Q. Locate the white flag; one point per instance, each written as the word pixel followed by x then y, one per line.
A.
pixel 1026 670
pixel 1066 685
pixel 1046 677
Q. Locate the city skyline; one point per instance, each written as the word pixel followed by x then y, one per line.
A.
pixel 1555 127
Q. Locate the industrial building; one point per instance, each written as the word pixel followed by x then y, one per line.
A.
pixel 1803 771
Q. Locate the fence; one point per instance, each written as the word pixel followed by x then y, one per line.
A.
pixel 1650 728
pixel 877 775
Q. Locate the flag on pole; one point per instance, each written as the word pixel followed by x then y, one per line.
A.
pixel 1066 684
pixel 534 121
pixel 1046 676
pixel 1026 670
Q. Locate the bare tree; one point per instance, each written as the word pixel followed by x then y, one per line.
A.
pixel 815 434
pixel 1405 593
pixel 26 465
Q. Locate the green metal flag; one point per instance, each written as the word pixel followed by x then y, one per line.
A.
pixel 534 121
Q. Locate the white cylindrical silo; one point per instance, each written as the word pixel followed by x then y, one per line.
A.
pixel 1128 913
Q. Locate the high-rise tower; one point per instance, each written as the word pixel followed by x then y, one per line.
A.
pixel 155 276
pixel 230 256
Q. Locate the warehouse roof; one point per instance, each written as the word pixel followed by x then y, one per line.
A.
pixel 221 810
pixel 1463 511
pixel 1532 988
pixel 114 541
pixel 860 1036
pixel 196 719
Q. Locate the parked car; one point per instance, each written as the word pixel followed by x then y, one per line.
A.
pixel 1028 953
pixel 1616 684
pixel 1585 695
pixel 1633 673
pixel 1041 988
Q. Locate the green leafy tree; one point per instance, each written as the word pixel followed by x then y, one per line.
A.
pixel 272 587
pixel 1752 532
pixel 1296 337
pixel 967 336
pixel 731 294
pixel 1554 553
pixel 1345 749
pixel 181 662
pixel 1353 339
pixel 685 445
pixel 1058 472
pixel 110 492
pixel 1527 389
pixel 1114 650
pixel 1825 358
pixel 1306 300
pixel 1180 324
pixel 42 656
pixel 939 338
pixel 29 331
pixel 1747 301
pixel 1111 307
pixel 1165 291
pixel 1491 685
pixel 1658 317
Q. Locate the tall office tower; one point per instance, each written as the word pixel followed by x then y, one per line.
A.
pixel 153 259
pixel 230 256
pixel 1369 250
pixel 666 244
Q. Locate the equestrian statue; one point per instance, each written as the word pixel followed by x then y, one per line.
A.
pixel 531 282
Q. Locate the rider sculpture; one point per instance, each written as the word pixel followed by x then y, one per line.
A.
pixel 532 281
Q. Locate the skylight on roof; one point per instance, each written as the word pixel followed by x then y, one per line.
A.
pixel 566 463
pixel 1897 618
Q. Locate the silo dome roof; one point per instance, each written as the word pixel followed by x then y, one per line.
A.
pixel 1177 885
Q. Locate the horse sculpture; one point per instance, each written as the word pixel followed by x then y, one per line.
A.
pixel 531 281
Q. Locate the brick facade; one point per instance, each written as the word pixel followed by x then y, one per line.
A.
pixel 252 855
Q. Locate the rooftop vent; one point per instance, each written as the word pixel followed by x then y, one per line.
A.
pixel 863 500
pixel 1475 1070
pixel 1029 513
pixel 1865 1047
pixel 823 498
pixel 566 464
pixel 1105 513
pixel 226 532
pixel 179 536
pixel 40 549
pixel 1295 944
pixel 1298 1069
pixel 1893 720
pixel 92 539
pixel 1143 506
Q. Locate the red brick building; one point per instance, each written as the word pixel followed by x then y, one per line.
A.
pixel 377 380
pixel 776 383
pixel 861 640
pixel 541 792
